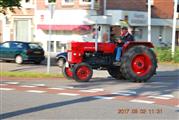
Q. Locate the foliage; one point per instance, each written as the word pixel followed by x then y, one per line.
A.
pixel 9 4
pixel 165 54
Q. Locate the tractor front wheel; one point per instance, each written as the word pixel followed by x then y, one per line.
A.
pixel 67 72
pixel 138 64
pixel 82 72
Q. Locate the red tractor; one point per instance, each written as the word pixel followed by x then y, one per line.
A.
pixel 138 61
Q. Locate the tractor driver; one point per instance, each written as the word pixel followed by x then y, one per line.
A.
pixel 125 36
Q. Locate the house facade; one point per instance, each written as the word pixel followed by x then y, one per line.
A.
pixel 78 20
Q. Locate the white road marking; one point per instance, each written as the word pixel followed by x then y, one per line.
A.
pixel 56 88
pixel 159 97
pixel 128 91
pixel 141 101
pixel 103 97
pixel 68 94
pixel 68 87
pixel 91 91
pixel 164 97
pixel 168 95
pixel 13 83
pixel 38 85
pixel 30 86
pixel 35 91
pixel 123 94
pixel 6 89
pixel 97 89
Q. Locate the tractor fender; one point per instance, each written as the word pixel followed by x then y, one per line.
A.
pixel 132 44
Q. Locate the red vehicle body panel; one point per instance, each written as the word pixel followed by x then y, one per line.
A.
pixel 131 44
pixel 75 55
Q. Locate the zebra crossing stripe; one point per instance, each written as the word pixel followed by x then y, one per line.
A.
pixel 164 97
pixel 142 101
pixel 68 94
pixel 56 88
pixel 6 89
pixel 30 86
pixel 13 83
pixel 38 85
pixel 35 91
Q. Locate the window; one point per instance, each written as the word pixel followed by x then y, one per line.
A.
pixel 51 46
pixel 17 45
pixel 27 3
pixel 88 2
pixel 85 1
pixel 60 47
pixel 34 46
pixel 5 45
pixel 67 2
pixel 138 33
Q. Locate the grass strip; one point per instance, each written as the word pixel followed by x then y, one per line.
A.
pixel 30 75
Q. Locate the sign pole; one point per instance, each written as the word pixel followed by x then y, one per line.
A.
pixel 174 27
pixel 149 20
pixel 51 9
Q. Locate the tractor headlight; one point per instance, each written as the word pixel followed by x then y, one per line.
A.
pixel 69 46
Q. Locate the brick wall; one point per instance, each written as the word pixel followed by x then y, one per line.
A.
pixel 42 6
pixel 136 5
pixel 162 9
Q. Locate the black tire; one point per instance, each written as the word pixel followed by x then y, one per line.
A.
pixel 82 72
pixel 61 62
pixel 19 59
pixel 67 72
pixel 37 62
pixel 138 64
pixel 116 73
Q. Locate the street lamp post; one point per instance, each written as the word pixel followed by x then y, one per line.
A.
pixel 149 20
pixel 174 27
pixel 51 9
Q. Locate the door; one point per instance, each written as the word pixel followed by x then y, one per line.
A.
pixel 22 30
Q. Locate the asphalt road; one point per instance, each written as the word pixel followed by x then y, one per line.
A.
pixel 101 98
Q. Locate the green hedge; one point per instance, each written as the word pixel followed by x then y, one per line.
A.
pixel 165 55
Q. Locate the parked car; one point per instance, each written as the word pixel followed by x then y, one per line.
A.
pixel 21 51
pixel 61 58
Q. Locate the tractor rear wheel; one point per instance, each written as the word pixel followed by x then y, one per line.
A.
pixel 82 72
pixel 138 64
pixel 67 72
pixel 115 73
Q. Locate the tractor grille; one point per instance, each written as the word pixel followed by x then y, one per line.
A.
pixel 69 56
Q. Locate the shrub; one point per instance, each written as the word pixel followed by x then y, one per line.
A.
pixel 165 54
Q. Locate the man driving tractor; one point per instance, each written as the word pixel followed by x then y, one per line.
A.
pixel 125 36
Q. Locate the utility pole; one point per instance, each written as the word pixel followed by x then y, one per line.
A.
pixel 51 9
pixel 174 27
pixel 149 20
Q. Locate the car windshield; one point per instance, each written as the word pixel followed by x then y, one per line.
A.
pixel 34 46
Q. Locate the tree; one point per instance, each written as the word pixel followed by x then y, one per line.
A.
pixel 9 4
